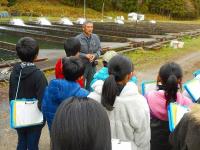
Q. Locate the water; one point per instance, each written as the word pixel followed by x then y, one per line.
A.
pixel 17 22
pixel 42 44
pixel 43 21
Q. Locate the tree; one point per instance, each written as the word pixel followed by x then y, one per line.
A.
pixel 11 2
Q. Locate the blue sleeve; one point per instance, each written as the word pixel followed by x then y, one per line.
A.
pixel 82 93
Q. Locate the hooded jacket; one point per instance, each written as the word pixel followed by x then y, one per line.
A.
pixel 130 118
pixel 159 121
pixel 59 72
pixel 58 91
pixel 102 74
pixel 32 83
pixel 157 103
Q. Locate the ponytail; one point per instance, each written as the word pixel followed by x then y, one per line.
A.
pixel 109 93
pixel 171 89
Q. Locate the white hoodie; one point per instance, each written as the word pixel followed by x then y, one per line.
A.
pixel 130 118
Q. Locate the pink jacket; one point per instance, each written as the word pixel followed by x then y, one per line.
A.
pixel 157 103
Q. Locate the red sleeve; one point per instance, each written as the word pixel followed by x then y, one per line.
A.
pixel 58 69
pixel 81 82
pixel 59 73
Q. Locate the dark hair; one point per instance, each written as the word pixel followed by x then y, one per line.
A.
pixel 170 74
pixel 73 68
pixel 118 67
pixel 72 46
pixel 27 49
pixel 80 124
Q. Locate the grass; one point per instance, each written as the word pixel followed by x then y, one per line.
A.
pixel 146 59
pixel 54 10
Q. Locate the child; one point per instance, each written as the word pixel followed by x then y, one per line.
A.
pixel 80 123
pixel 102 74
pixel 60 89
pixel 127 109
pixel 32 85
pixel 72 47
pixel 170 81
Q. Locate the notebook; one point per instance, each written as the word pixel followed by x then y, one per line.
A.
pixel 193 89
pixel 197 72
pixel 148 86
pixel 121 145
pixel 175 114
pixel 25 113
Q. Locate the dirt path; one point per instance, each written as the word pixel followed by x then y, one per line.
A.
pixel 8 137
pixel 189 64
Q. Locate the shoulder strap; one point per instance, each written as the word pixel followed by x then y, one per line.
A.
pixel 20 74
pixel 23 65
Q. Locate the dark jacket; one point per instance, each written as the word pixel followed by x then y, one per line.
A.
pixel 32 84
pixel 160 134
pixel 186 135
pixel 91 46
pixel 57 91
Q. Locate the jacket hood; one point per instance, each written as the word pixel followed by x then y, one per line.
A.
pixel 129 89
pixel 101 74
pixel 27 70
pixel 59 89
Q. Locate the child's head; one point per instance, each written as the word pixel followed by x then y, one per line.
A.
pixel 107 56
pixel 80 123
pixel 120 70
pixel 72 46
pixel 73 68
pixel 170 75
pixel 27 49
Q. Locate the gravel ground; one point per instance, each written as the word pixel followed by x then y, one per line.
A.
pixel 8 137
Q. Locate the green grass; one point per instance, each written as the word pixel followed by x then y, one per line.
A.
pixel 146 59
pixel 54 10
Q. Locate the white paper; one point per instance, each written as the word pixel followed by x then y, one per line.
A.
pixel 194 87
pixel 181 110
pixel 120 145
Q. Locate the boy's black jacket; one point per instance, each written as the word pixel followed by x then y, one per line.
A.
pixel 32 83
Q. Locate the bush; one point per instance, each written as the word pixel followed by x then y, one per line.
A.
pixel 179 9
pixel 11 2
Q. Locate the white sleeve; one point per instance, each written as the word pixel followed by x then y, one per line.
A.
pixel 139 116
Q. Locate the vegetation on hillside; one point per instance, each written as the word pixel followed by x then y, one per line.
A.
pixel 178 9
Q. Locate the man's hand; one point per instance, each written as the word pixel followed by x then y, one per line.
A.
pixel 90 57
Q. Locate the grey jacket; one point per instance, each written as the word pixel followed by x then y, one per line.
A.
pixel 130 118
pixel 93 47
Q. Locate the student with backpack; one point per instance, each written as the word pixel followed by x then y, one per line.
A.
pixel 27 82
pixel 72 47
pixel 127 109
pixel 170 82
pixel 61 89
